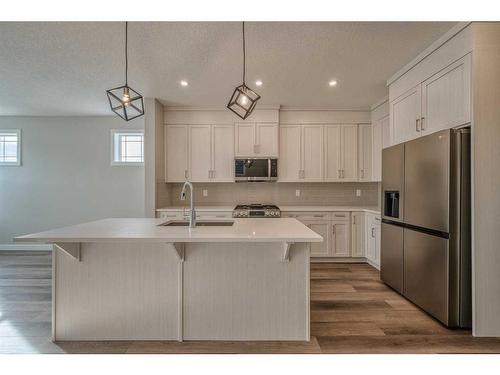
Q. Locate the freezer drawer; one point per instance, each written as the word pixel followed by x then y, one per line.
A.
pixel 391 256
pixel 426 278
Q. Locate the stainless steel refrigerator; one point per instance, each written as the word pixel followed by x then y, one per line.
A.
pixel 426 224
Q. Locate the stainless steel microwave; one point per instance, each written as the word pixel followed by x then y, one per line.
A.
pixel 255 169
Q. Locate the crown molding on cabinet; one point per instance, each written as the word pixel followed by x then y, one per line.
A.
pixel 434 46
pixel 385 99
pixel 322 109
pixel 215 109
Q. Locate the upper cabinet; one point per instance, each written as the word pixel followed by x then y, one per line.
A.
pixel 256 139
pixel 200 153
pixel 441 101
pixel 341 155
pixel 365 152
pixel 446 97
pixel 176 144
pixel 380 140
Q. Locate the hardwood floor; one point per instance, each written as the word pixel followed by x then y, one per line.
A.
pixel 352 311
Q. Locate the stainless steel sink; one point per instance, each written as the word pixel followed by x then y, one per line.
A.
pixel 198 224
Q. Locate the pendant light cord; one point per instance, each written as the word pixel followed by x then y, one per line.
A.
pixel 126 53
pixel 244 57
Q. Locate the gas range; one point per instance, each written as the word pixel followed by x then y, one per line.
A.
pixel 256 210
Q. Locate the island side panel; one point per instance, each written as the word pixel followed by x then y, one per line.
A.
pixel 119 291
pixel 242 291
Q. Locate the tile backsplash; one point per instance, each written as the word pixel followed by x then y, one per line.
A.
pixel 317 194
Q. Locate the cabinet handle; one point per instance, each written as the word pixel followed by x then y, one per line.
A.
pixel 333 230
pixel 339 173
pixel 354 220
pixel 362 173
pixel 318 215
pixel 373 234
pixel 339 215
pixel 422 123
pixel 417 124
pixel 185 174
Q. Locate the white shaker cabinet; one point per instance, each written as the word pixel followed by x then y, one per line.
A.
pixel 200 153
pixel 256 139
pixel 323 228
pixel 289 162
pixel 349 152
pixel 301 153
pixel 373 239
pixel 312 153
pixel 442 101
pixel 341 152
pixel 222 153
pixel 333 153
pixel 365 152
pixel 405 116
pixel 340 238
pixel 446 97
pixel 358 232
pixel 176 142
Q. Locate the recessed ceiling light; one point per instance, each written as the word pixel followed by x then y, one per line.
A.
pixel 332 83
pixel 258 82
pixel 184 83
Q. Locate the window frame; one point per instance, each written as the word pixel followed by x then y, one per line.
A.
pixel 16 163
pixel 114 133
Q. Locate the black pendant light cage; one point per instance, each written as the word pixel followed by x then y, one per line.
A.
pixel 124 100
pixel 244 99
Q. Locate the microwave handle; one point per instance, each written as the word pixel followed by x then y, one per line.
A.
pixel 269 168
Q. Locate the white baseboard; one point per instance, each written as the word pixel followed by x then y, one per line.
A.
pixel 338 260
pixel 373 264
pixel 25 247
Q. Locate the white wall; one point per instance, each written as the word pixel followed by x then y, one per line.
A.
pixel 66 177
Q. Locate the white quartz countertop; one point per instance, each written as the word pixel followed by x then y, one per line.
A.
pixel 147 230
pixel 371 209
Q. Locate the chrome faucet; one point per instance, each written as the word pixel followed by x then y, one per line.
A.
pixel 192 216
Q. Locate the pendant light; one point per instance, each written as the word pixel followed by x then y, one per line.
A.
pixel 244 99
pixel 124 100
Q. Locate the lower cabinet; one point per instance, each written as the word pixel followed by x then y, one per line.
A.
pixel 358 234
pixel 340 238
pixel 373 239
pixel 323 228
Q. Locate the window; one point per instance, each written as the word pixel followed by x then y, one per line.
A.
pixel 127 147
pixel 10 147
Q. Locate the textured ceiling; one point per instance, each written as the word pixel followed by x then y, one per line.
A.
pixel 65 68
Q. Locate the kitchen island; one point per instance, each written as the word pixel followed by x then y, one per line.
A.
pixel 138 279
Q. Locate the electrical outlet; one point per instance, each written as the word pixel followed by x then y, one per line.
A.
pixel 205 192
pixel 297 193
pixel 358 192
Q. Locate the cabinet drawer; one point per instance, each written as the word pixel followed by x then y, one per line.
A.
pixel 214 215
pixel 341 216
pixel 307 215
pixel 171 215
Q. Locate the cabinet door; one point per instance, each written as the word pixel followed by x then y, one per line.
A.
pixel 358 235
pixel 446 97
pixel 267 139
pixel 200 153
pixel 371 243
pixel 349 146
pixel 405 116
pixel 323 228
pixel 244 139
pixel 312 152
pixel 386 132
pixel 176 141
pixel 365 152
pixel 222 153
pixel 377 151
pixel 377 243
pixel 340 239
pixel 289 160
pixel 332 152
